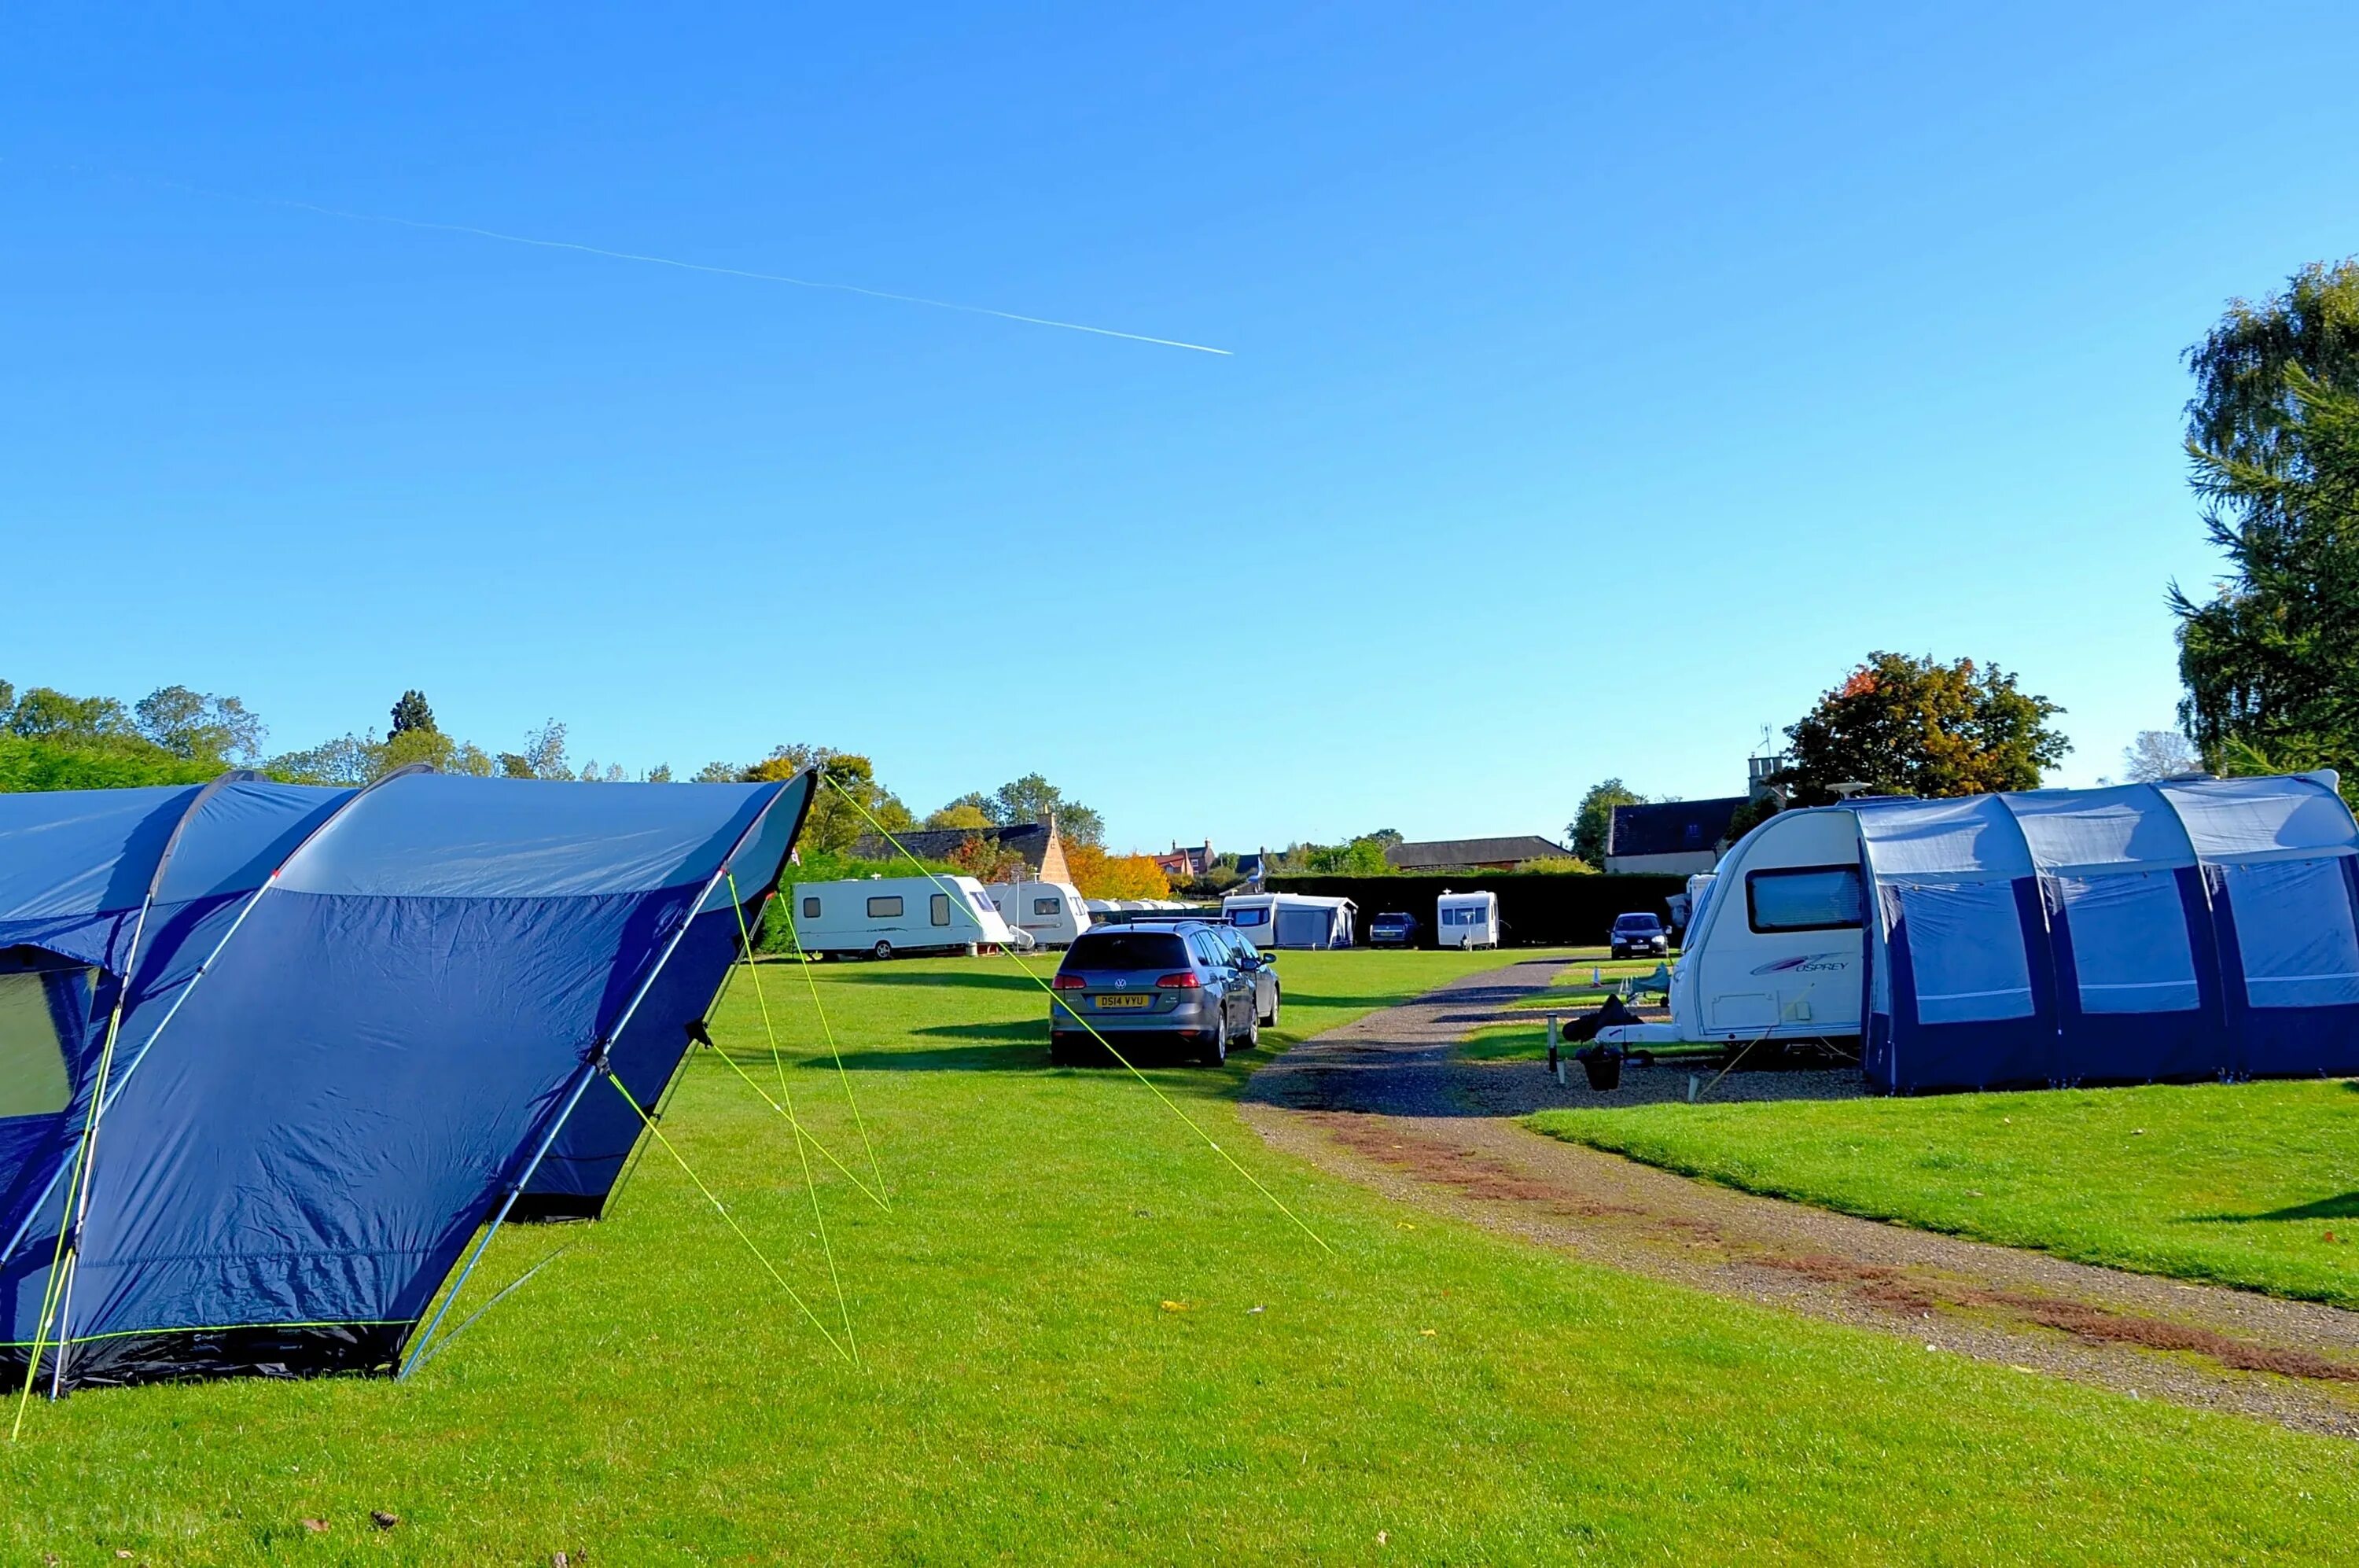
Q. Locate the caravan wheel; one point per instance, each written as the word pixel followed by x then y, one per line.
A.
pixel 883 949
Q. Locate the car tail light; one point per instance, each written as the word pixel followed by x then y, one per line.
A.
pixel 1066 983
pixel 1184 981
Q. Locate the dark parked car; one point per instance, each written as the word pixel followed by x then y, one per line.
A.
pixel 1639 936
pixel 1182 981
pixel 1393 931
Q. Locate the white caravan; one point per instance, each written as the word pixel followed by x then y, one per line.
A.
pixel 1772 946
pixel 1466 919
pixel 1290 919
pixel 883 916
pixel 1052 913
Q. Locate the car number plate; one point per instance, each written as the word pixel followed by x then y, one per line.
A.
pixel 1106 1004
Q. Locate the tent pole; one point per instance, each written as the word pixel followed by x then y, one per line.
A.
pixel 595 1064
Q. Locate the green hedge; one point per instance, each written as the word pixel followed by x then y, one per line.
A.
pixel 42 765
pixel 1542 909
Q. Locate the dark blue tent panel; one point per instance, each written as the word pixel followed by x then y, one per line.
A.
pixel 350 1020
pixel 2197 929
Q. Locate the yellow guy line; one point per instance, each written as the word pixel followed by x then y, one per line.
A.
pixel 811 1183
pixel 719 1208
pixel 803 961
pixel 956 897
pixel 879 1194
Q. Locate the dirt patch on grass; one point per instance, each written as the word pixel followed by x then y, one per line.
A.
pixel 1382 1101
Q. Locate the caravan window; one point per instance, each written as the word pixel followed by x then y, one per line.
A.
pixel 810 908
pixel 36 1007
pixel 1808 898
pixel 1047 907
pixel 940 909
pixel 885 908
pixel 1259 916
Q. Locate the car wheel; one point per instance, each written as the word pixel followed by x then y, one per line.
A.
pixel 1252 1041
pixel 1217 1053
pixel 883 949
pixel 1277 995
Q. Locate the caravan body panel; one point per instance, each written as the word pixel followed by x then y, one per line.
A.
pixel 1467 919
pixel 1774 951
pixel 908 914
pixel 1052 913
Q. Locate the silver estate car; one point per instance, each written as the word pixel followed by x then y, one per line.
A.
pixel 1181 981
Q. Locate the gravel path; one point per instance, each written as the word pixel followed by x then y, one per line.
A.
pixel 1380 1101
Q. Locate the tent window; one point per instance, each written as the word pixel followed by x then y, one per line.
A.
pixel 2293 924
pixel 36 1008
pixel 1814 897
pixel 885 908
pixel 1966 945
pixel 939 910
pixel 810 908
pixel 2129 942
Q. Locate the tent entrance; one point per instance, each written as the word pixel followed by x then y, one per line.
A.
pixel 45 1005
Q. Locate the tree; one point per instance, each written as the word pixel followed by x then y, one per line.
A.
pixel 411 712
pixel 1102 876
pixel 543 756
pixel 1593 819
pixel 716 773
pixel 198 725
pixel 834 824
pixel 959 814
pixel 46 714
pixel 1916 726
pixel 987 860
pixel 2270 663
pixel 2158 755
pixel 349 760
pixel 1030 798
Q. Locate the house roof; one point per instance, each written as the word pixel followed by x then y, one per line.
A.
pixel 1029 840
pixel 1671 827
pixel 1443 853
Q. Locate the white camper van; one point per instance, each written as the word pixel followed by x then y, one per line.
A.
pixel 1052 913
pixel 1466 919
pixel 1290 919
pixel 1772 945
pixel 884 916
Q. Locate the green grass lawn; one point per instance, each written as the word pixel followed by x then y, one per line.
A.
pixel 2250 1185
pixel 1084 1339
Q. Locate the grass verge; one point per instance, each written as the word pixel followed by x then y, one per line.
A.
pixel 2252 1184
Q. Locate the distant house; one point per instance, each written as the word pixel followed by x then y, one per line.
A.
pixel 1185 863
pixel 1037 843
pixel 1677 837
pixel 1474 854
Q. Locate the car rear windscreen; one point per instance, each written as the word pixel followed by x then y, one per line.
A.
pixel 1127 949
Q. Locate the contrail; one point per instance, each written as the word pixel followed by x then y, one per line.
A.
pixel 697 266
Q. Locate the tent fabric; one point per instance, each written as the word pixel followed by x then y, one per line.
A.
pixel 2193 929
pixel 352 1018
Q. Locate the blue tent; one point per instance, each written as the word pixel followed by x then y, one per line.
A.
pixel 2190 929
pixel 353 1025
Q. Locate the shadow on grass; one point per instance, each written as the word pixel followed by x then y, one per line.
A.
pixel 2342 1206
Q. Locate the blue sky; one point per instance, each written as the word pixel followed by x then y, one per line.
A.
pixel 1602 386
